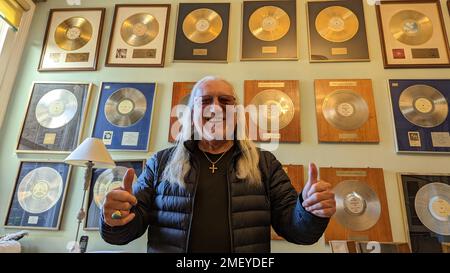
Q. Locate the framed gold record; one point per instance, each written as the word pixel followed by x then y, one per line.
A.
pixel 181 92
pixel 337 31
pixel 361 205
pixel 269 30
pixel 277 110
pixel 345 111
pixel 413 34
pixel 138 35
pixel 202 32
pixel 72 40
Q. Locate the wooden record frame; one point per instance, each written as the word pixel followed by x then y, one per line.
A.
pixel 180 92
pixel 350 49
pixel 290 133
pixel 374 178
pixel 215 50
pixel 367 132
pixel 151 54
pixel 284 48
pixel 83 58
pixel 433 53
pixel 296 175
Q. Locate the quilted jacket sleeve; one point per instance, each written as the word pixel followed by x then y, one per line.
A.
pixel 289 219
pixel 144 192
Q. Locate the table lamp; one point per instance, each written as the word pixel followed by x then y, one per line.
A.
pixel 91 154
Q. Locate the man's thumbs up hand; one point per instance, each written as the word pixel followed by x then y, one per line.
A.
pixel 317 196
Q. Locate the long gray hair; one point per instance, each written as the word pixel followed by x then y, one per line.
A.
pixel 178 165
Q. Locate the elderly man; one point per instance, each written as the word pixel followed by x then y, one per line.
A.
pixel 215 194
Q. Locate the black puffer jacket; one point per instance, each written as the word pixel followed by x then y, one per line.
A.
pixel 165 210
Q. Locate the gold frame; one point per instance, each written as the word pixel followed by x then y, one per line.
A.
pixel 82 121
pixel 63 200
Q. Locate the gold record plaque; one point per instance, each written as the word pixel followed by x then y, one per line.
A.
pixel 202 32
pixel 180 97
pixel 72 40
pixel 337 31
pixel 269 30
pixel 346 111
pixel 361 205
pixel 413 34
pixel 296 175
pixel 277 105
pixel 138 36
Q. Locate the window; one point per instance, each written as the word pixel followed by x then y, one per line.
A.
pixel 3 31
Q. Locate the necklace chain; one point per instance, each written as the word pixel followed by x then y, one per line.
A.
pixel 214 162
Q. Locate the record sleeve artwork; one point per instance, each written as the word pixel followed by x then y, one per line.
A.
pixel 296 175
pixel 421 115
pixel 269 30
pixel 427 207
pixel 202 32
pixel 124 115
pixel 277 105
pixel 361 205
pixel 413 34
pixel 337 31
pixel 346 111
pixel 103 181
pixel 72 40
pixel 180 96
pixel 55 118
pixel 39 195
pixel 139 35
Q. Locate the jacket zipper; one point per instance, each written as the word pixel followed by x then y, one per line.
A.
pixel 229 213
pixel 192 213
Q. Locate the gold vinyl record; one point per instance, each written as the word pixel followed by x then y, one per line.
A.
pixel 432 204
pixel 202 26
pixel 139 29
pixel 337 24
pixel 423 106
pixel 125 107
pixel 107 181
pixel 273 98
pixel 357 205
pixel 40 190
pixel 73 33
pixel 56 108
pixel 345 110
pixel 269 23
pixel 411 27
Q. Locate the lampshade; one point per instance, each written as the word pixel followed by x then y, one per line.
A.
pixel 93 150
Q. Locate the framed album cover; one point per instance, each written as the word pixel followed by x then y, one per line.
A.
pixel 296 175
pixel 138 36
pixel 266 96
pixel 345 111
pixel 421 115
pixel 426 199
pixel 55 117
pixel 337 31
pixel 124 115
pixel 38 197
pixel 362 212
pixel 180 96
pixel 269 30
pixel 202 32
pixel 72 39
pixel 413 34
pixel 102 182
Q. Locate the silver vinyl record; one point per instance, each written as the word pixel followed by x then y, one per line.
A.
pixel 56 108
pixel 125 107
pixel 40 190
pixel 357 205
pixel 345 110
pixel 107 181
pixel 423 106
pixel 432 205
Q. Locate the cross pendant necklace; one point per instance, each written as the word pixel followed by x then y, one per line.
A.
pixel 213 167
